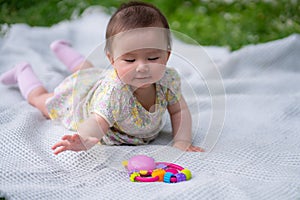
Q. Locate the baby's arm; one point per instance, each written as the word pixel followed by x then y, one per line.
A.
pixel 182 126
pixel 89 134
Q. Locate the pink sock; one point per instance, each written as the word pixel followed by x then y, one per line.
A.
pixel 66 54
pixel 23 75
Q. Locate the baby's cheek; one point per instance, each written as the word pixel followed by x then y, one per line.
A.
pixel 159 71
pixel 125 76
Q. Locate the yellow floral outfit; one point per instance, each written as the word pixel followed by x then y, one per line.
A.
pixel 99 91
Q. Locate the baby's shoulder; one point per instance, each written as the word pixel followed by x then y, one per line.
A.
pixel 110 86
pixel 171 75
pixel 172 72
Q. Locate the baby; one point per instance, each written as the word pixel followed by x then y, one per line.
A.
pixel 121 105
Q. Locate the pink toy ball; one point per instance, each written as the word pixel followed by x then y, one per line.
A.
pixel 141 162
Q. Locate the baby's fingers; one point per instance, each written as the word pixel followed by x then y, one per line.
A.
pixel 60 149
pixel 63 143
pixel 195 149
pixel 67 137
pixel 75 137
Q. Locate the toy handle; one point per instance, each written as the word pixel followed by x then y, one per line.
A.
pixel 171 165
pixel 142 179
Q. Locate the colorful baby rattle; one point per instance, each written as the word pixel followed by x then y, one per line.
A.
pixel 142 168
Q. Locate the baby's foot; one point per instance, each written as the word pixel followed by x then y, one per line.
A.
pixel 58 44
pixel 66 54
pixel 11 77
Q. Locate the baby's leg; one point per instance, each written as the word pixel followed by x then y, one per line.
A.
pixel 69 56
pixel 38 98
pixel 30 86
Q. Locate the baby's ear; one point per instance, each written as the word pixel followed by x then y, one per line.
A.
pixel 169 53
pixel 110 58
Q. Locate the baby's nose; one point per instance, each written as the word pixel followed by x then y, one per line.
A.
pixel 142 68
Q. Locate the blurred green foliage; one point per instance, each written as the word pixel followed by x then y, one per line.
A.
pixel 232 23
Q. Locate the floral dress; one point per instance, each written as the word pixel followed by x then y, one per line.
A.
pixel 99 91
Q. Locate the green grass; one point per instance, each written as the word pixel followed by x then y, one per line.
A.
pixel 232 23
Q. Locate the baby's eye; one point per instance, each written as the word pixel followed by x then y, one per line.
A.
pixel 154 58
pixel 129 60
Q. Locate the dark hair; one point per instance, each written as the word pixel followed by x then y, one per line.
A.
pixel 135 15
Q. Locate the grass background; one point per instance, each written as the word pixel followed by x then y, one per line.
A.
pixel 232 23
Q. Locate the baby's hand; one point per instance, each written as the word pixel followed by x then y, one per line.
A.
pixel 74 143
pixel 186 146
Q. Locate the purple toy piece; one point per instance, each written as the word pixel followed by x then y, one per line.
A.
pixel 180 177
pixel 141 162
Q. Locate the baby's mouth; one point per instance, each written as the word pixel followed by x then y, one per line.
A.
pixel 142 77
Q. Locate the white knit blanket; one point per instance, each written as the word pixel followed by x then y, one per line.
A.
pixel 245 106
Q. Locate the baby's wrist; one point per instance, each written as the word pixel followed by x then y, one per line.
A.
pixel 182 144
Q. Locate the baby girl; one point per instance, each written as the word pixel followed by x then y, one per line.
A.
pixel 121 105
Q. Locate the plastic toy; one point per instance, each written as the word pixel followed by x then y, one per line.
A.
pixel 142 168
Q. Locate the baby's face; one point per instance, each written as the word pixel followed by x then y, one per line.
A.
pixel 141 68
pixel 140 56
